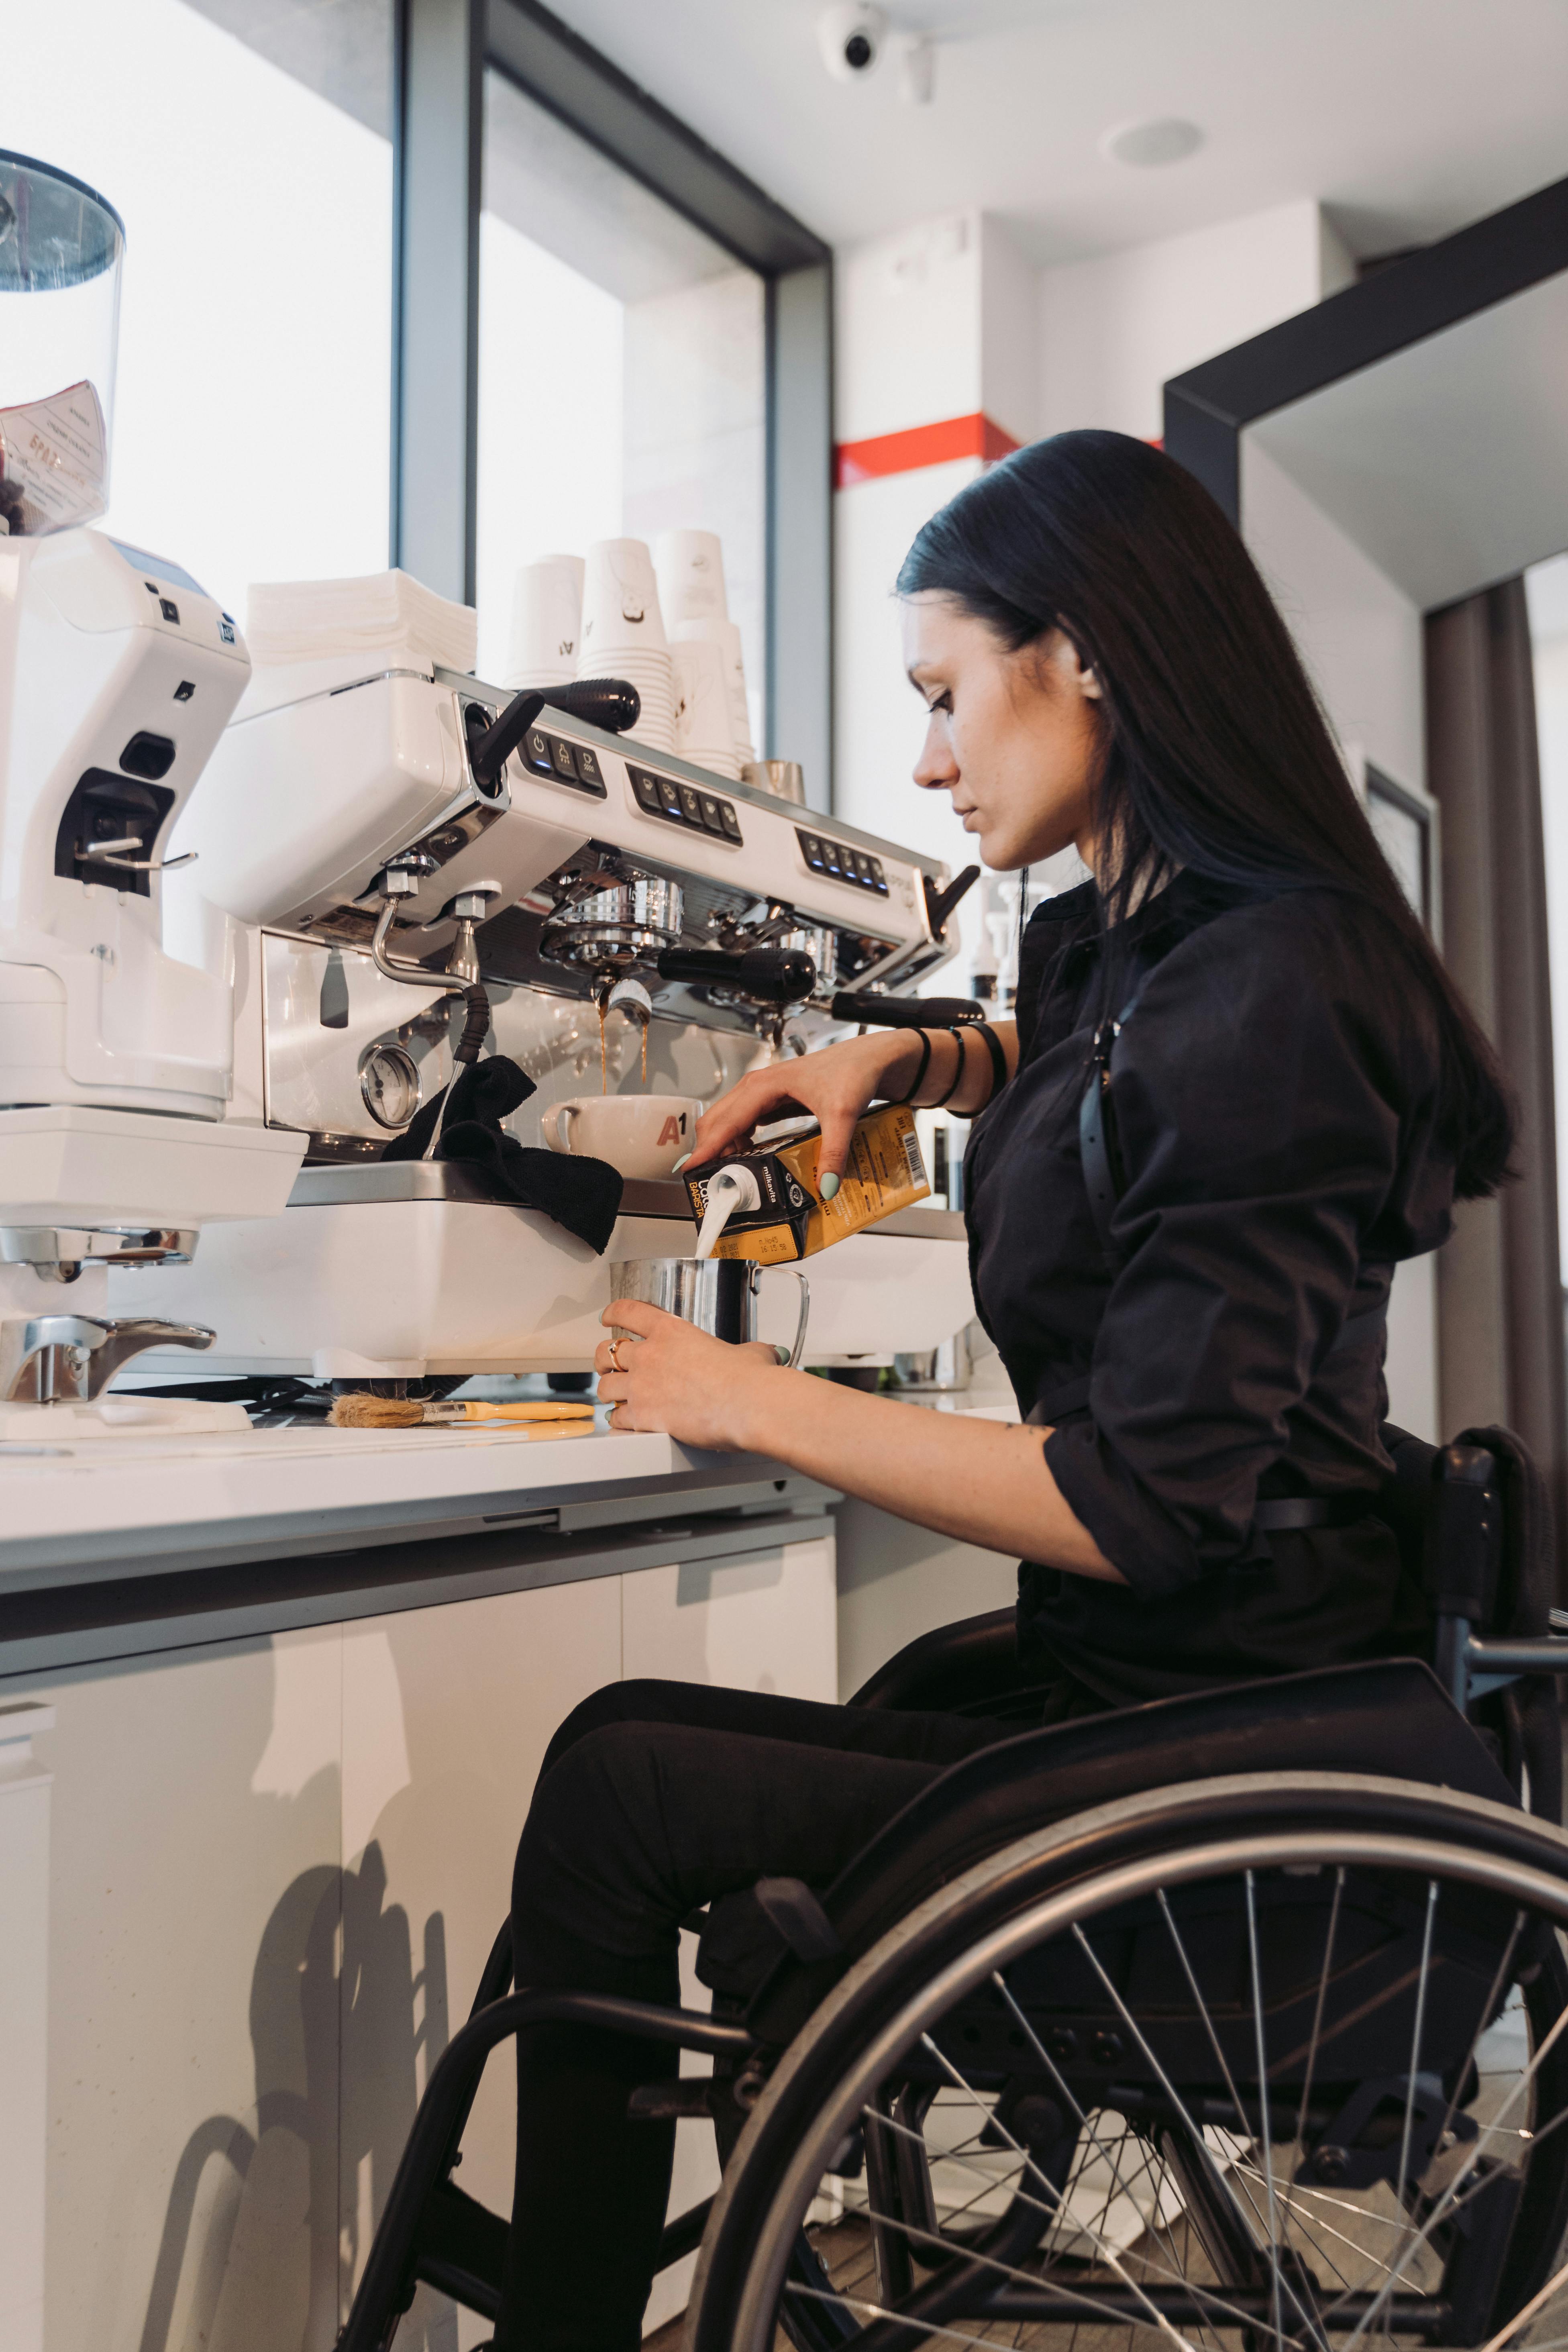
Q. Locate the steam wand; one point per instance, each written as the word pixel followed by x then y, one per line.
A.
pixel 400 880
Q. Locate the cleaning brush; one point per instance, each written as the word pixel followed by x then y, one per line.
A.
pixel 361 1412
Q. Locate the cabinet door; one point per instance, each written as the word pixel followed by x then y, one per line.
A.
pixel 192 2189
pixel 762 1621
pixel 447 1714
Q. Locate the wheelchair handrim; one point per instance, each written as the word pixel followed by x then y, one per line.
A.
pixel 773 2232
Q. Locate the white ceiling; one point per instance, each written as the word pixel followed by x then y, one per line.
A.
pixel 1408 117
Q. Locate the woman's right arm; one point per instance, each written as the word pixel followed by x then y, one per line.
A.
pixel 838 1083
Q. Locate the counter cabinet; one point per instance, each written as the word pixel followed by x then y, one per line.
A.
pixel 264 1849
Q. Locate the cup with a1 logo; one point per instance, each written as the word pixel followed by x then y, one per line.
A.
pixel 642 1135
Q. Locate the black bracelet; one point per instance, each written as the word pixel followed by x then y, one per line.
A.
pixel 963 1063
pixel 998 1059
pixel 993 1047
pixel 918 1079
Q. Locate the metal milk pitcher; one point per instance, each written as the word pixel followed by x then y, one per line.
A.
pixel 719 1295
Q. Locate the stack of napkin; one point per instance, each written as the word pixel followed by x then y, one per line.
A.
pixel 388 615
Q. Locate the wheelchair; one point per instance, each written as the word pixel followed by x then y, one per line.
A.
pixel 1228 2020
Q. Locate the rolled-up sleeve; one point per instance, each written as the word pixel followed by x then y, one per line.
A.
pixel 1255 1104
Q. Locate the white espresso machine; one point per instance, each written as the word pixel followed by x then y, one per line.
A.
pixel 372 840
pixel 118 676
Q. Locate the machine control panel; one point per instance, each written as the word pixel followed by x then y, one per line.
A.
pixel 687 804
pixel 565 763
pixel 840 863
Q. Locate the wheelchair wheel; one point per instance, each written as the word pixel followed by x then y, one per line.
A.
pixel 1268 2060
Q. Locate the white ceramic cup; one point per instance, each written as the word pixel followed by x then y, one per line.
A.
pixel 642 1135
pixel 690 567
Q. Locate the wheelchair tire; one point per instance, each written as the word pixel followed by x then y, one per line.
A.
pixel 1421 2064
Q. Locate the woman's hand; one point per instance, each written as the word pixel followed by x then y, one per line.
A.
pixel 661 1373
pixel 835 1084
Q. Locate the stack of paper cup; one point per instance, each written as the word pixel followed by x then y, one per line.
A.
pixel 690 567
pixel 726 636
pixel 703 731
pixel 623 633
pixel 546 623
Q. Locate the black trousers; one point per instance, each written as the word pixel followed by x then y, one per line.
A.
pixel 653 1798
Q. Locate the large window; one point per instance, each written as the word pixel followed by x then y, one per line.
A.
pixel 622 372
pixel 253 402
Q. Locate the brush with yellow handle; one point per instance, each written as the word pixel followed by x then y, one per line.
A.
pixel 361 1411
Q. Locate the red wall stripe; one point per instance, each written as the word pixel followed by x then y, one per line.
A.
pixel 922 445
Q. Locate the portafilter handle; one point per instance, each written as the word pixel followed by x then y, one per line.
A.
pixel 767 975
pixel 908 1012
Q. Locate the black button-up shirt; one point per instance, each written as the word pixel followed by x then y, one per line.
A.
pixel 1274 1099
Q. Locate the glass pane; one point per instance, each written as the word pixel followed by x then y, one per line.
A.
pixel 621 374
pixel 252 405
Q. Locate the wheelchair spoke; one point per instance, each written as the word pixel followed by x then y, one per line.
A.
pixel 1252 2098
pixel 1446 2202
pixel 1108 2254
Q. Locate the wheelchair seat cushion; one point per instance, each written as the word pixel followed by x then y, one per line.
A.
pixel 1391 1718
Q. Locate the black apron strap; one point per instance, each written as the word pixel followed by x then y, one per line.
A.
pixel 1100 1148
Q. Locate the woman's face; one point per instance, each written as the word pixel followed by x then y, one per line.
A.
pixel 1015 738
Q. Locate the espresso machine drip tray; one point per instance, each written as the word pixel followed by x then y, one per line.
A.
pixel 457 1179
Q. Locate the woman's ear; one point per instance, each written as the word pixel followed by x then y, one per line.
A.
pixel 1089 686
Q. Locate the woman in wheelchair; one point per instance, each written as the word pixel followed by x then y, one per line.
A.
pixel 1237 1090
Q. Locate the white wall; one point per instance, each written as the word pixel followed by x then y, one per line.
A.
pixel 1359 633
pixel 1113 329
pixel 1361 639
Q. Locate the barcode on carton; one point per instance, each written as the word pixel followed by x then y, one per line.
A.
pixel 916 1165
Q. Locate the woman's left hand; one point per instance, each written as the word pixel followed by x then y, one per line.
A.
pixel 661 1373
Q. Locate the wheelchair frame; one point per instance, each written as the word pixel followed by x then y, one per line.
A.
pixel 431 2231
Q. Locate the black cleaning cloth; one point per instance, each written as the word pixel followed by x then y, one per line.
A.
pixel 584 1195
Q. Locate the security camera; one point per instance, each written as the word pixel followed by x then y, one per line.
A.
pixel 852 37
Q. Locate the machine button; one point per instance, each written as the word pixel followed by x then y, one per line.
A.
pixel 647 790
pixel 169 609
pixel 880 880
pixel 561 753
pixel 711 815
pixel 730 820
pixel 691 805
pixel 670 793
pixel 147 755
pixel 831 861
pixel 863 874
pixel 184 689
pixel 588 764
pixel 811 850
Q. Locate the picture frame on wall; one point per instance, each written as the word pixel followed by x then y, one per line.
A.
pixel 1405 823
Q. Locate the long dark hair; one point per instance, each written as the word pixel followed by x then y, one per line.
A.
pixel 1216 755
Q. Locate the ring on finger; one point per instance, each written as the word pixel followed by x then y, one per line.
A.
pixel 615 1363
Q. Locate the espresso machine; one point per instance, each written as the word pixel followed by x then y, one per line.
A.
pixel 376 854
pixel 118 676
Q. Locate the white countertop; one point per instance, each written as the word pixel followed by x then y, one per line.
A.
pixel 99 1504
pixel 119 1498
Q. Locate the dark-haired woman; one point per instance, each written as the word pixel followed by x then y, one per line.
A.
pixel 1298 1094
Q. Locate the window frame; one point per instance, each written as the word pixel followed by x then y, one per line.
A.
pixel 442 49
